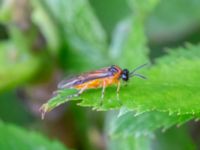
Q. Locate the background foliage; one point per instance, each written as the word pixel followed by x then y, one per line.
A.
pixel 42 42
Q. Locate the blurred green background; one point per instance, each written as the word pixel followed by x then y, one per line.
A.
pixel 43 42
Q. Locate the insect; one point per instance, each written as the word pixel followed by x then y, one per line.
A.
pixel 100 79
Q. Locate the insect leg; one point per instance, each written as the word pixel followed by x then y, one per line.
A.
pixel 118 87
pixel 79 92
pixel 103 89
pixel 103 92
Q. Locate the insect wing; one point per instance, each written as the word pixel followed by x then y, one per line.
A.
pixel 102 73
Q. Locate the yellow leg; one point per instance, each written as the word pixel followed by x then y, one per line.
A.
pixel 118 87
pixel 79 92
pixel 103 89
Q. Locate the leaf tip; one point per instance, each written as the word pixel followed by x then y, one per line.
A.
pixel 43 109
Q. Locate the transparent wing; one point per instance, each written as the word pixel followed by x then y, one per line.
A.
pixel 102 73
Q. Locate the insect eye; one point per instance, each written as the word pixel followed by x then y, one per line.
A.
pixel 125 75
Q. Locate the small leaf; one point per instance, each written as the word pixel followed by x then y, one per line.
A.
pixel 13 137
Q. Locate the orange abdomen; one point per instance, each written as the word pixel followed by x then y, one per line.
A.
pixel 98 83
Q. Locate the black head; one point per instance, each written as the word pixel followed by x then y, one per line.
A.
pixel 125 75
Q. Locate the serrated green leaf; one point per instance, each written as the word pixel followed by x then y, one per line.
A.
pixel 15 138
pixel 174 138
pixel 59 98
pixel 171 87
pixel 133 124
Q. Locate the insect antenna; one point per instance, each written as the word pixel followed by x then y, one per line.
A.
pixel 132 73
pixel 139 75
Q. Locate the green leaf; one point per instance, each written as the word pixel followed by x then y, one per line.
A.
pixel 173 139
pixel 79 21
pixel 128 46
pixel 80 31
pixel 142 8
pixel 6 8
pixel 113 12
pixel 172 87
pixel 130 143
pixel 129 42
pixel 19 114
pixel 182 19
pixel 133 124
pixel 47 26
pixel 60 98
pixel 15 65
pixel 13 137
pixel 140 126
